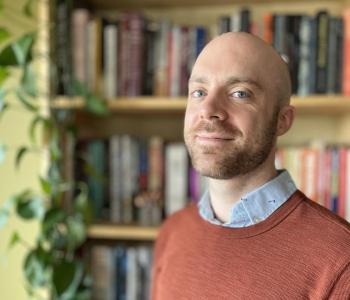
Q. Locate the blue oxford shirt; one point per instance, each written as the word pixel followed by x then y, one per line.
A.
pixel 255 206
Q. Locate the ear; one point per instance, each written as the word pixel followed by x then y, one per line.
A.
pixel 285 119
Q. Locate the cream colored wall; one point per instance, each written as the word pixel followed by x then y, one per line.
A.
pixel 13 132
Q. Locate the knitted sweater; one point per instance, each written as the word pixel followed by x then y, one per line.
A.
pixel 302 251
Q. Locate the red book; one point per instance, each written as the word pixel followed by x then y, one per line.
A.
pixel 343 152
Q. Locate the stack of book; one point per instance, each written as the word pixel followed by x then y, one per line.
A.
pixel 122 272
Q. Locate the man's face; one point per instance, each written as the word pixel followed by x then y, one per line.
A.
pixel 231 116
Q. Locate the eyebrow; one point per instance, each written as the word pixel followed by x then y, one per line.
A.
pixel 230 81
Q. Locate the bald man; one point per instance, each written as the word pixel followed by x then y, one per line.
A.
pixel 253 235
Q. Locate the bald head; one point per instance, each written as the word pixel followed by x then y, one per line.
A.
pixel 254 58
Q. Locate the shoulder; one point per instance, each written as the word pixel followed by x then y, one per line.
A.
pixel 177 224
pixel 322 224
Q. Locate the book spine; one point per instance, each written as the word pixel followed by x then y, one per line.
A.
pixel 322 20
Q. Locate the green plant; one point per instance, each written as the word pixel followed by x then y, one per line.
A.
pixel 51 262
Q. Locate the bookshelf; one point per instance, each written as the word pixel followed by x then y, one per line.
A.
pixel 315 104
pixel 129 233
pixel 324 117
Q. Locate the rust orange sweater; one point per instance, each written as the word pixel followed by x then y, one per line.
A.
pixel 301 251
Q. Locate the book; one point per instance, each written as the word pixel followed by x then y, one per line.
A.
pixel 176 180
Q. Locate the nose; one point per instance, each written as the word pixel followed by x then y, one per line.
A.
pixel 213 108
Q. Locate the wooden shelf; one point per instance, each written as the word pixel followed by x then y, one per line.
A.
pixel 122 232
pixel 139 4
pixel 315 104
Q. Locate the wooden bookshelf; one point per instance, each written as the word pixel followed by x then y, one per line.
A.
pixel 122 232
pixel 316 104
pixel 137 4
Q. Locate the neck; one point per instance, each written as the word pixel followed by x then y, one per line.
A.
pixel 225 193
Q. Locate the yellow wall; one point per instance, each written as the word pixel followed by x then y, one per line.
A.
pixel 13 132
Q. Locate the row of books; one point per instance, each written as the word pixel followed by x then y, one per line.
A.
pixel 130 55
pixel 322 173
pixel 121 272
pixel 134 180
pixel 126 56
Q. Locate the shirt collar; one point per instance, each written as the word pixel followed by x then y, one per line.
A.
pixel 255 206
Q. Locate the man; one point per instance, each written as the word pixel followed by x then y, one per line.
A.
pixel 253 235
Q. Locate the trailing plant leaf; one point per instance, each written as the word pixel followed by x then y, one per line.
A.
pixel 3 104
pixel 25 101
pixel 19 52
pixel 28 8
pixel 96 105
pixel 30 207
pixel 52 217
pixel 33 126
pixel 4 216
pixel 82 204
pixel 23 48
pixel 28 83
pixel 66 279
pixel 36 267
pixel 4 74
pixel 4 34
pixel 19 156
pixel 8 57
pixel 45 185
pixel 15 239
pixel 79 88
pixel 76 232
pixel 2 153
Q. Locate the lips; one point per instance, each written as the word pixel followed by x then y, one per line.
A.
pixel 213 137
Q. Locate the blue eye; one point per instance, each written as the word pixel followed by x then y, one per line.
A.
pixel 241 94
pixel 197 94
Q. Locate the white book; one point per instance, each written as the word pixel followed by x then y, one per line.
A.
pixel 80 19
pixel 132 276
pixel 127 184
pixel 110 33
pixel 176 177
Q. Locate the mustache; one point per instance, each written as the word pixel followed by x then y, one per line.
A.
pixel 207 127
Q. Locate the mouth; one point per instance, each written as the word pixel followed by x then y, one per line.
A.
pixel 213 138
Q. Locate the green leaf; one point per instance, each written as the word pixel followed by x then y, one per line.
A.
pixel 52 217
pixel 4 216
pixel 28 81
pixel 79 88
pixel 22 48
pixel 8 57
pixel 4 74
pixel 28 8
pixel 15 238
pixel 96 105
pixel 30 207
pixel 82 205
pixel 4 34
pixel 66 279
pixel 2 153
pixel 76 232
pixel 20 153
pixel 45 185
pixel 26 102
pixel 36 267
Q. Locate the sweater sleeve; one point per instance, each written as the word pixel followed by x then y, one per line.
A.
pixel 341 288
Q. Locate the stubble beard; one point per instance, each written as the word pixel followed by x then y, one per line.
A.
pixel 239 157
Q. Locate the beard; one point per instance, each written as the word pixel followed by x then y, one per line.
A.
pixel 238 156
